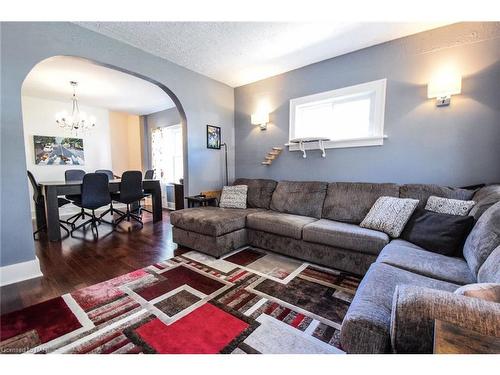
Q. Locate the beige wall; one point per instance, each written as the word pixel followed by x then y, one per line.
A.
pixel 125 142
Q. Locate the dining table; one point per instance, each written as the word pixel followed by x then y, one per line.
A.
pixel 48 212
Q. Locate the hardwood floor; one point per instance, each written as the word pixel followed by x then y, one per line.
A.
pixel 75 263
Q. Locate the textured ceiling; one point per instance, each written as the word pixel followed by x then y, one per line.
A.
pixel 238 53
pixel 98 86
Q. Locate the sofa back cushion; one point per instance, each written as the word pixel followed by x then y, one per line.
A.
pixel 299 197
pixel 489 272
pixel 259 192
pixel 483 239
pixel 422 192
pixel 350 202
pixel 485 198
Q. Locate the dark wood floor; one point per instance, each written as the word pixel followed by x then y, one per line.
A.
pixel 75 263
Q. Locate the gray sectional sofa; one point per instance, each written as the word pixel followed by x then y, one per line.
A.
pixel 404 287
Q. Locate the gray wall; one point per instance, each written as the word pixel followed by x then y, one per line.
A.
pixel 24 44
pixel 455 145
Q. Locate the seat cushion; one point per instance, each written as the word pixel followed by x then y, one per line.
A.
pixel 259 193
pixel 483 239
pixel 422 192
pixel 426 263
pixel 303 198
pixel 346 236
pixel 349 202
pixel 212 221
pixel 366 326
pixel 278 223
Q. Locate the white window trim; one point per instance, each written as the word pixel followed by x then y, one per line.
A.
pixel 378 87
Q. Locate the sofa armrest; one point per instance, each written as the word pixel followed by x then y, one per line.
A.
pixel 414 310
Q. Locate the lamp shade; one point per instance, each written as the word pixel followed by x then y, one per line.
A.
pixel 260 118
pixel 444 85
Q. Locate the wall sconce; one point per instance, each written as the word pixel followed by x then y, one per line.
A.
pixel 260 119
pixel 443 86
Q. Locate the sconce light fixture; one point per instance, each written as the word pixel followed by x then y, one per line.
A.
pixel 261 119
pixel 443 86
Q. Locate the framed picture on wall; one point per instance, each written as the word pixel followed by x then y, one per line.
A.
pixel 58 150
pixel 213 137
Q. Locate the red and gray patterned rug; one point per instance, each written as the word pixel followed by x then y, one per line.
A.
pixel 251 301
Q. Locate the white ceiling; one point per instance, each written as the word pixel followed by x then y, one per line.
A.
pixel 238 53
pixel 98 86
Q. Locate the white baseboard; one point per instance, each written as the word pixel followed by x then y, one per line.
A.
pixel 15 273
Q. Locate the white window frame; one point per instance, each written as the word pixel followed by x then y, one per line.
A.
pixel 376 88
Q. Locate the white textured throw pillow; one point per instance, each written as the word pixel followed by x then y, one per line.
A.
pixel 234 196
pixel 449 206
pixel 390 215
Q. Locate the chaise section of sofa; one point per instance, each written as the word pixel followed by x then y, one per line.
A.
pixel 212 230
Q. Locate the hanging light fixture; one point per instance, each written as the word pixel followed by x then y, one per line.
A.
pixel 78 122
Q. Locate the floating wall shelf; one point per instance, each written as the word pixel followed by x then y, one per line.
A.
pixel 272 155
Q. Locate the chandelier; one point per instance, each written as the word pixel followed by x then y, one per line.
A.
pixel 78 122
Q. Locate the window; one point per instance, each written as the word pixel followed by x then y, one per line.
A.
pixel 166 145
pixel 350 117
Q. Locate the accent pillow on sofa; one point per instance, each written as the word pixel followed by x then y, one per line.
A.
pixel 390 215
pixel 440 233
pixel 234 196
pixel 484 291
pixel 449 206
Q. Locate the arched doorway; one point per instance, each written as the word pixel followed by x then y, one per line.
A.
pixel 61 68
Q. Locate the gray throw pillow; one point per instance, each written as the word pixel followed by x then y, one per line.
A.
pixel 449 206
pixel 234 196
pixel 390 215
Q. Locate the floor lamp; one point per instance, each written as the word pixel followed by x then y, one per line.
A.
pixel 225 159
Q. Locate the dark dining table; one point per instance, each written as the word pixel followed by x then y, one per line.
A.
pixel 49 212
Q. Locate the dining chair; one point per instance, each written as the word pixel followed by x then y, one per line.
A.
pixel 130 192
pixel 148 175
pixel 74 175
pixel 107 172
pixel 95 194
pixel 39 199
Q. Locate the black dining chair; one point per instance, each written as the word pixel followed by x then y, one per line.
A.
pixel 95 194
pixel 148 175
pixel 40 200
pixel 130 192
pixel 74 175
pixel 107 172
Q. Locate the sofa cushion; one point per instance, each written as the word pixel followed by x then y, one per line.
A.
pixel 366 326
pixel 390 215
pixel 485 198
pixel 422 192
pixel 350 201
pixel 346 236
pixel 300 198
pixel 483 239
pixel 278 223
pixel 485 291
pixel 425 263
pixel 212 221
pixel 259 193
pixel 441 233
pixel 490 270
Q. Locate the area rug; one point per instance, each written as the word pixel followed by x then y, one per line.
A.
pixel 249 302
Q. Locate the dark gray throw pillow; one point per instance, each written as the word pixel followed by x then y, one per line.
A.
pixel 440 233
